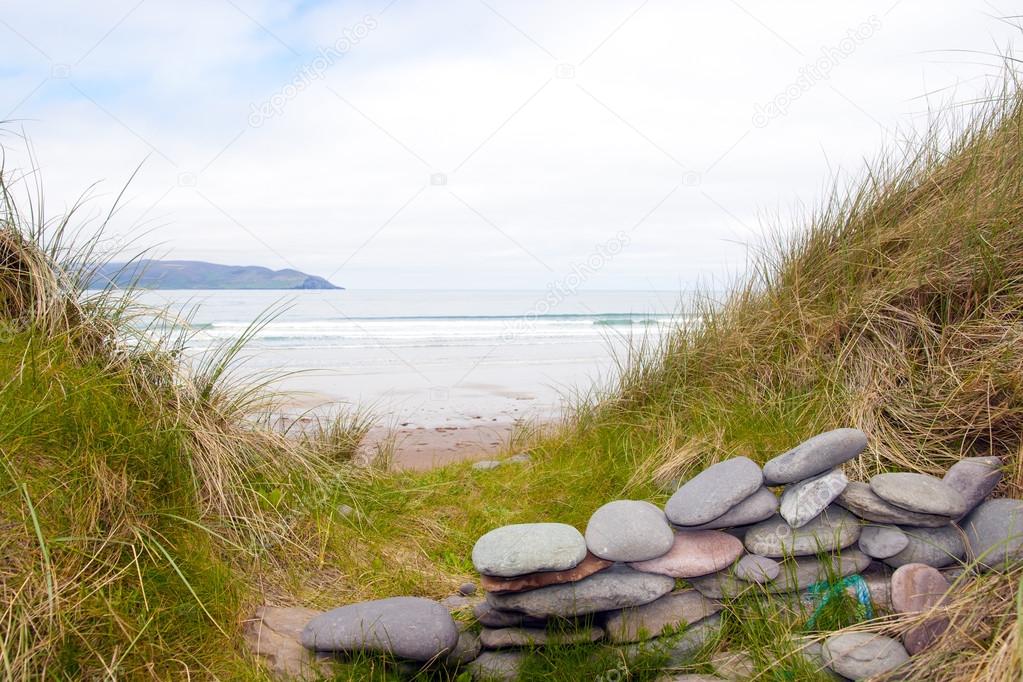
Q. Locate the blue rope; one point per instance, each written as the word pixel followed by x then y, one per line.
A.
pixel 825 590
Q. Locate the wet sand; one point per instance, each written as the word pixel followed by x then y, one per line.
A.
pixel 425 447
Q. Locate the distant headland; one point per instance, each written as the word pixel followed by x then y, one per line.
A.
pixel 190 274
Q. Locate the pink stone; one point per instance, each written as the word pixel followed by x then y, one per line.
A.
pixel 694 553
pixel 917 588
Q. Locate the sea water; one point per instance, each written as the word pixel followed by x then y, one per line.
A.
pixel 431 358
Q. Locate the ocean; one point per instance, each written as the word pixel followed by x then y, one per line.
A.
pixel 432 358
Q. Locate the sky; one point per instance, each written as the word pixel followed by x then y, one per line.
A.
pixel 475 144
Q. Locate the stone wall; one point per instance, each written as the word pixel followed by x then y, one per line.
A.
pixel 723 532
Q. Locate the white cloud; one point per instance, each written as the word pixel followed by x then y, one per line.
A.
pixel 657 122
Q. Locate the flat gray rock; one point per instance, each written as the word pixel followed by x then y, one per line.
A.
pixel 759 506
pixel 490 617
pixel 974 478
pixel 406 627
pixel 815 456
pixel 882 542
pixel 528 548
pixel 497 666
pixel 670 612
pixel 486 464
pixel 935 547
pixel 618 587
pixel 754 568
pixel 503 638
pixel 834 528
pixel 628 530
pixel 714 491
pixel 921 493
pixel 859 655
pixel 864 503
pixel 678 649
pixel 994 531
pixel 794 575
pixel 802 501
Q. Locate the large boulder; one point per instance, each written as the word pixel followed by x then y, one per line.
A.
pixel 524 548
pixel 628 530
pixel 406 627
pixel 815 456
pixel 714 491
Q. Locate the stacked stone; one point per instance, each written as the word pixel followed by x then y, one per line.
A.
pixel 722 531
pixel 615 583
pixel 725 529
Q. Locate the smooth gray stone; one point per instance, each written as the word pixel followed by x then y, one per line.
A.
pixel 864 503
pixel 794 575
pixel 859 655
pixel 994 531
pixel 754 568
pixel 486 464
pixel 490 617
pixel 801 502
pixel 520 458
pixel 813 651
pixel 504 638
pixel 407 627
pixel 714 491
pixel 759 506
pixel 974 478
pixel 466 649
pixel 679 649
pixel 467 589
pixel 628 530
pixel 497 666
pixel 935 547
pixel 920 493
pixel 523 548
pixel 834 528
pixel 882 542
pixel 617 587
pixel 670 612
pixel 815 456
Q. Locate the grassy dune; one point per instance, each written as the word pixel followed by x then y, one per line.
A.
pixel 144 517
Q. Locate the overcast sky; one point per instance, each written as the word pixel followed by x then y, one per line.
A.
pixel 476 143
